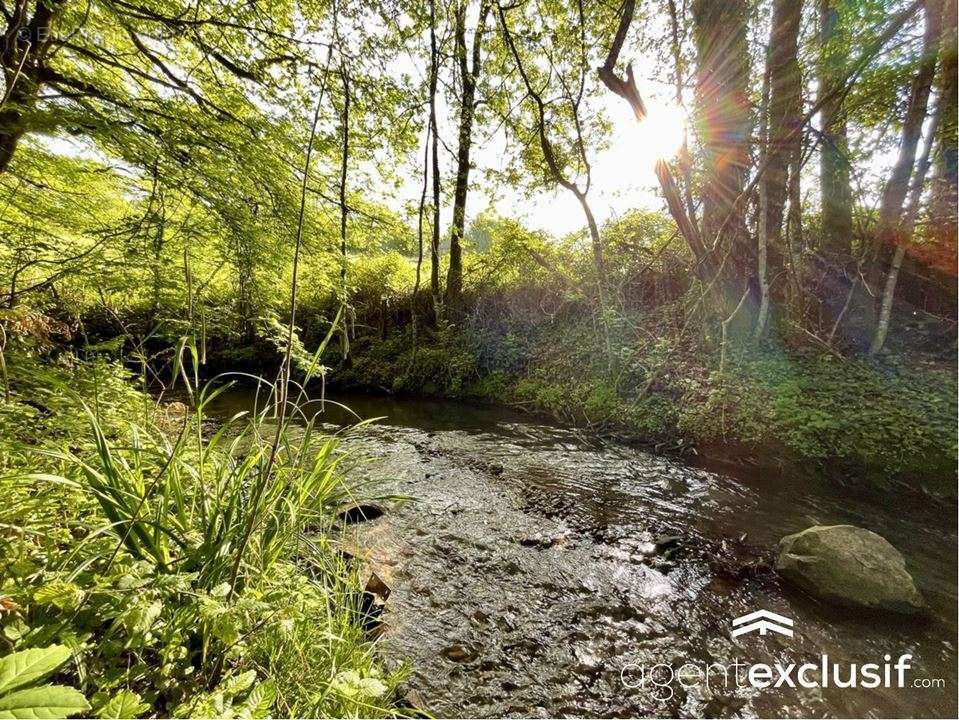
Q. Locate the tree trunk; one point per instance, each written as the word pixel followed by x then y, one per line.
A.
pixel 723 121
pixel 435 237
pixel 24 46
pixel 159 240
pixel 836 193
pixel 905 237
pixel 762 229
pixel 784 114
pixel 557 173
pixel 468 76
pixel 344 207
pixel 942 226
pixel 794 232
pixel 419 233
pixel 11 130
pixel 897 186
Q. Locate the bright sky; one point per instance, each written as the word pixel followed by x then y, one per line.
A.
pixel 623 174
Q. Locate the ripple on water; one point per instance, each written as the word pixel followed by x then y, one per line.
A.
pixel 494 626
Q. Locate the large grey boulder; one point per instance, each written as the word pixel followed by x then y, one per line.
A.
pixel 849 565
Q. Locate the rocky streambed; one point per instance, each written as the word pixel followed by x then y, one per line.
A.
pixel 538 573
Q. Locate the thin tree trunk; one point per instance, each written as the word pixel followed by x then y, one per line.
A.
pixel 419 231
pixel 762 264
pixel 762 234
pixel 344 207
pixel 865 304
pixel 723 121
pixel 942 226
pixel 557 174
pixel 435 237
pixel 905 237
pixel 468 76
pixel 889 234
pixel 685 161
pixel 555 171
pixel 794 230
pixel 897 186
pixel 159 240
pixel 784 113
pixel 835 190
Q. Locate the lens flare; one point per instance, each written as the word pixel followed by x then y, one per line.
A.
pixel 658 136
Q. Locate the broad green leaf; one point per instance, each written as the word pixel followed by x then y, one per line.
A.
pixel 351 684
pixel 258 703
pixel 64 595
pixel 43 703
pixel 125 704
pixel 238 683
pixel 27 666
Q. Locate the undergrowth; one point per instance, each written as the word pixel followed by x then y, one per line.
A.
pixel 169 554
pixel 778 403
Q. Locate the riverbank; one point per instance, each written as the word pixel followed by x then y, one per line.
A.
pixel 167 553
pixel 784 404
pixel 773 406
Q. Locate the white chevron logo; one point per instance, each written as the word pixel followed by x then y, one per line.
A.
pixel 764 622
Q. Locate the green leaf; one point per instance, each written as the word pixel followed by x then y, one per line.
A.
pixel 43 703
pixel 237 684
pixel 139 619
pixel 63 595
pixel 27 666
pixel 351 684
pixel 258 703
pixel 125 704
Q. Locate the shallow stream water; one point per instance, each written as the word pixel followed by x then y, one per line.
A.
pixel 539 572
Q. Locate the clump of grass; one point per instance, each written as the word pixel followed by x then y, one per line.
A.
pixel 224 505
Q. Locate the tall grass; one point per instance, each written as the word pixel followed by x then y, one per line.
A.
pixel 223 502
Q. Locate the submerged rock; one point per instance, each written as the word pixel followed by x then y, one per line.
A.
pixel 460 653
pixel 667 543
pixel 544 540
pixel 849 565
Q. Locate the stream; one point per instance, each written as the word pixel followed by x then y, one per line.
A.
pixel 541 573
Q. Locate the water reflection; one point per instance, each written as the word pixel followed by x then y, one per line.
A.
pixel 523 580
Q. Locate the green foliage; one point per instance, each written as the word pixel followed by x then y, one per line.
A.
pixel 22 697
pixel 170 558
pixel 438 364
pixel 886 419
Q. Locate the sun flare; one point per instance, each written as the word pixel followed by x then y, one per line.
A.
pixel 658 136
